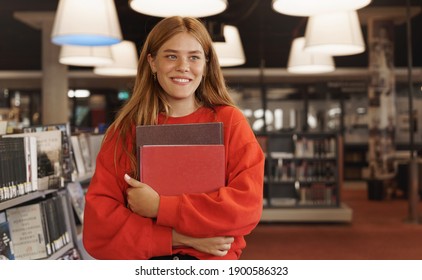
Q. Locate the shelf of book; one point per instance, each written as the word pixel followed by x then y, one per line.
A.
pixel 35 203
pixel 303 177
pixel 24 198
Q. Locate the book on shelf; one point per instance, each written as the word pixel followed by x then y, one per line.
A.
pixel 95 142
pixel 39 229
pixel 85 147
pixel 181 169
pixel 66 157
pixel 71 254
pixel 85 151
pixel 15 169
pixel 27 231
pixel 77 154
pixel 6 243
pixel 77 197
pixel 49 157
pixel 3 127
pixel 54 226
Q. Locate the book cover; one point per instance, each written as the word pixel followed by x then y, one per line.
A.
pixel 180 134
pixel 64 128
pixel 6 244
pixel 27 231
pixel 178 169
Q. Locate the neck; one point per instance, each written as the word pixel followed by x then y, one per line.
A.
pixel 180 109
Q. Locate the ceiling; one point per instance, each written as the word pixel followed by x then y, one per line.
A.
pixel 266 34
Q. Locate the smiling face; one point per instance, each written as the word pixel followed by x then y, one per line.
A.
pixel 179 66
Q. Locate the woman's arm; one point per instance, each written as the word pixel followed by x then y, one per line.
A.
pixel 217 246
pixel 111 230
pixel 233 210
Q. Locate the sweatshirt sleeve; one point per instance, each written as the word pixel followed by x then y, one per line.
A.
pixel 233 210
pixel 111 231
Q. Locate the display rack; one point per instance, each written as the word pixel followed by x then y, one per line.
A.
pixel 303 176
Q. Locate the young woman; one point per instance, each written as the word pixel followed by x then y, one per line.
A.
pixel 179 81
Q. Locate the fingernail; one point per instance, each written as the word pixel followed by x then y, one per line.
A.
pixel 127 177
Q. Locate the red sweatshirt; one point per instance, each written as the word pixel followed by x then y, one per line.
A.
pixel 112 231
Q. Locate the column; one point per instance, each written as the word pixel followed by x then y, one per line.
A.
pixel 55 103
pixel 55 108
pixel 381 99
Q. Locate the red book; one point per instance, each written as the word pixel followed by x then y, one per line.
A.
pixel 178 169
pixel 179 134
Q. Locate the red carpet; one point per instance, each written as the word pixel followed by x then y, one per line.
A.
pixel 378 231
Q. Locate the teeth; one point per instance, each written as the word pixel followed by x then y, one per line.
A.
pixel 181 80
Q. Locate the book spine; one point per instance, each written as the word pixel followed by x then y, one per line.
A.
pixel 48 243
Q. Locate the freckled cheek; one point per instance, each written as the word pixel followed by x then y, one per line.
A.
pixel 198 70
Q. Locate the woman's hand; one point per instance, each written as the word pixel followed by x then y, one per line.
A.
pixel 141 198
pixel 217 246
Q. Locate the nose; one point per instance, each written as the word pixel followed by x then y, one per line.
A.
pixel 183 65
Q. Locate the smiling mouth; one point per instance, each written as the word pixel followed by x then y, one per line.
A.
pixel 181 80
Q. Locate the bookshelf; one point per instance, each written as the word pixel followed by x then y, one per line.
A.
pixel 52 206
pixel 303 177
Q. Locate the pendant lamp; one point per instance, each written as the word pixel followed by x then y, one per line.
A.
pixel 86 23
pixel 301 62
pixel 335 34
pixel 85 55
pixel 313 7
pixel 125 62
pixel 166 8
pixel 230 52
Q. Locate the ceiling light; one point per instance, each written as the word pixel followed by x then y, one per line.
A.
pixel 301 62
pixel 334 33
pixel 313 7
pixel 78 93
pixel 125 61
pixel 86 23
pixel 230 52
pixel 166 8
pixel 85 55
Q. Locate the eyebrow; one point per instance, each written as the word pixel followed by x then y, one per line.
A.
pixel 175 51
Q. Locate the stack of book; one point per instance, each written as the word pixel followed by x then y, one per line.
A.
pixel 181 158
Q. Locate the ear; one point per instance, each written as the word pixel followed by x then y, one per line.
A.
pixel 151 62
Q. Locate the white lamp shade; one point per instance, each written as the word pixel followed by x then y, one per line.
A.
pixel 335 34
pixel 125 62
pixel 301 62
pixel 166 8
pixel 85 55
pixel 313 7
pixel 230 52
pixel 86 23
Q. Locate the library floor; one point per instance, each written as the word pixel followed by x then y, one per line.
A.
pixel 379 231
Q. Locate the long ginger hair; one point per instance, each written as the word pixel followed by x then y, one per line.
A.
pixel 148 98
